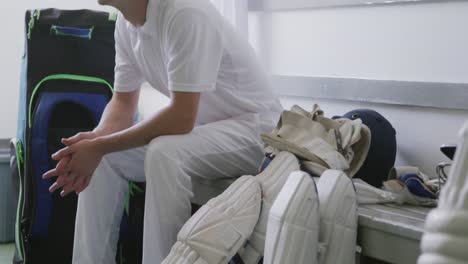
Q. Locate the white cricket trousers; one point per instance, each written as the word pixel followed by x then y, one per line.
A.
pixel 229 148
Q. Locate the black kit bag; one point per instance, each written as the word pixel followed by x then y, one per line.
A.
pixel 66 82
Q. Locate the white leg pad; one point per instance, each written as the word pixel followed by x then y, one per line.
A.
pixel 338 218
pixel 293 225
pixel 217 231
pixel 271 180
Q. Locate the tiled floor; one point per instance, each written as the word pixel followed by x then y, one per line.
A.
pixel 6 253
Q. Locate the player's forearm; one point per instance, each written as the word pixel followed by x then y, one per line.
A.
pixel 169 121
pixel 118 115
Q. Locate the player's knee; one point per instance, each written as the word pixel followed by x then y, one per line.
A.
pixel 162 148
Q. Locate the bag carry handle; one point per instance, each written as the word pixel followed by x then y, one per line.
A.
pixel 84 33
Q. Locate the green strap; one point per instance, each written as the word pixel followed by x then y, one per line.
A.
pixel 132 187
pixel 19 161
pixel 64 77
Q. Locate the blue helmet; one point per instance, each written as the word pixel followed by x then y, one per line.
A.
pixel 382 152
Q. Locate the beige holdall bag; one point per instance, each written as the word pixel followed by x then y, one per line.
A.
pixel 319 142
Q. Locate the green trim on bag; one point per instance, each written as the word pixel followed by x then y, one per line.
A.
pixel 19 161
pixel 64 77
pixel 90 35
pixel 36 13
pixel 112 16
pixel 31 24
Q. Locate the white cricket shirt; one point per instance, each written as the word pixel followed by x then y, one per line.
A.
pixel 187 46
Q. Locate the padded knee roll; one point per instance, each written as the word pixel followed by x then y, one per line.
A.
pixel 446 229
pixel 444 240
pixel 183 254
pixel 216 232
pixel 271 180
pixel 338 218
pixel 293 225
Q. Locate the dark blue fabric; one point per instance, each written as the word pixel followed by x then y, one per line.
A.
pixel 95 104
pixel 416 186
pixel 72 31
pixel 266 161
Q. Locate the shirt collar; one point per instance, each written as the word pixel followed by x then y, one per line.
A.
pixel 151 15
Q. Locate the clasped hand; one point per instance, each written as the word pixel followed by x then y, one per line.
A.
pixel 77 162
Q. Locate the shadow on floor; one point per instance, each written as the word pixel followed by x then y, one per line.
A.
pixel 6 253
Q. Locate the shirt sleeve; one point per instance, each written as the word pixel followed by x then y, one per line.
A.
pixel 194 48
pixel 127 75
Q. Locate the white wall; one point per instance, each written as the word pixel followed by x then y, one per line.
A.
pixel 411 42
pixel 12 41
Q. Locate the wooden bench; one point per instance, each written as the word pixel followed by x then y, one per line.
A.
pixel 390 233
